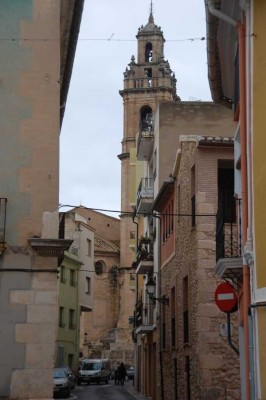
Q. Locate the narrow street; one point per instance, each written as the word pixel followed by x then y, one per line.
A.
pixel 102 391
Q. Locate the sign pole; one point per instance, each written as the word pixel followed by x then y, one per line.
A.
pixel 231 344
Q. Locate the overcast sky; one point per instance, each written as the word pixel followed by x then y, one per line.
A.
pixel 93 123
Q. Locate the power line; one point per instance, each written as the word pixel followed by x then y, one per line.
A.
pixel 134 214
pixel 110 39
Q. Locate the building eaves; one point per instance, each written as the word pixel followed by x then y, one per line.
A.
pixel 201 140
pixel 69 37
pixel 215 141
pixel 164 192
pixel 214 69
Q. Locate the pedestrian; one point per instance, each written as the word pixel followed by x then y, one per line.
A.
pixel 116 375
pixel 122 373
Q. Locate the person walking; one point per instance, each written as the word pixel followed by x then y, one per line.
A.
pixel 122 373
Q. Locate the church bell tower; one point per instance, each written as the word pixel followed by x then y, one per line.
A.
pixel 148 81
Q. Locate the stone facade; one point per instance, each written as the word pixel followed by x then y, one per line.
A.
pixel 206 367
pixel 29 246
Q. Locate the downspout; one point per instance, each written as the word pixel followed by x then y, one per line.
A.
pixel 243 139
pixel 243 144
pixel 160 307
pixel 136 379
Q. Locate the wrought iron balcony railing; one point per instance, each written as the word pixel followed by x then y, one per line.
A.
pixel 145 250
pixel 228 233
pixel 144 315
pixel 145 195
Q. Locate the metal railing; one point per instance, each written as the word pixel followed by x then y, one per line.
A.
pixel 144 314
pixel 145 190
pixel 145 250
pixel 228 233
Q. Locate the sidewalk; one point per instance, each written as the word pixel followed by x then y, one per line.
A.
pixel 134 393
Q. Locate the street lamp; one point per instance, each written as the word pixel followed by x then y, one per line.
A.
pixel 151 286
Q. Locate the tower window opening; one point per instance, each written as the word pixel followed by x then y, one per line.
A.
pixel 148 52
pixel 146 122
pixel 148 74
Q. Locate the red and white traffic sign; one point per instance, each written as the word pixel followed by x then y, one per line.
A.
pixel 225 297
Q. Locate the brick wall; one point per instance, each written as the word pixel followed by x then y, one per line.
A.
pixel 214 367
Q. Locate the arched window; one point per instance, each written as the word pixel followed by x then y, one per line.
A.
pixel 146 121
pixel 99 267
pixel 148 52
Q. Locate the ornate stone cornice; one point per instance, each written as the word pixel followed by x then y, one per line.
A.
pixel 50 247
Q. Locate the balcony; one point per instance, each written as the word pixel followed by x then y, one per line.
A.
pixel 145 256
pixel 228 246
pixel 145 196
pixel 145 138
pixel 144 320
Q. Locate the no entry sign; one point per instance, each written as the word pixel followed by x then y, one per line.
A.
pixel 226 298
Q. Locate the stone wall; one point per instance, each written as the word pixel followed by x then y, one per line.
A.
pixel 213 366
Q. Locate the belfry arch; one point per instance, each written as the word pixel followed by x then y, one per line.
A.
pixel 148 52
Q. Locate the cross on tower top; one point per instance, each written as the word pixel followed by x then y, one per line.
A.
pixel 151 20
pixel 151 7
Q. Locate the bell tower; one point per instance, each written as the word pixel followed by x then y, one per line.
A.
pixel 148 81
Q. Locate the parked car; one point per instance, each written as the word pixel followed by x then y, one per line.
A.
pixel 61 383
pixel 71 376
pixel 130 372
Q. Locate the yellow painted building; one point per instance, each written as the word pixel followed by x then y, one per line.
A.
pixel 258 92
pixel 236 33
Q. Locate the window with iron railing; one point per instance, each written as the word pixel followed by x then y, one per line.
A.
pixel 145 249
pixel 228 234
pixel 228 226
pixel 144 314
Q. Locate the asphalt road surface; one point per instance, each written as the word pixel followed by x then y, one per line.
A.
pixel 101 392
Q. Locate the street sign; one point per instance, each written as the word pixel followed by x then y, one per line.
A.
pixel 226 298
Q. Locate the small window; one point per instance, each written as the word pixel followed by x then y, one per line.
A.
pixel 88 285
pixel 73 281
pixel 89 247
pixel 61 317
pixel 71 319
pixel 63 275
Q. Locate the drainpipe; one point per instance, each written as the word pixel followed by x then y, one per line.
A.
pixel 136 379
pixel 160 306
pixel 243 142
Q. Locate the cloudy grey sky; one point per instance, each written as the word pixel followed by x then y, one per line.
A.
pixel 93 123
